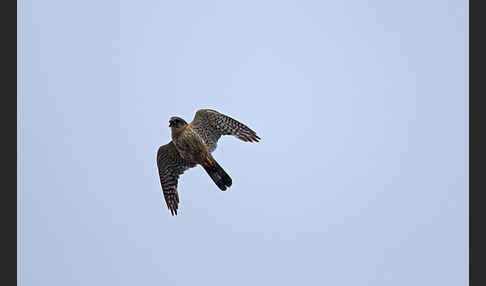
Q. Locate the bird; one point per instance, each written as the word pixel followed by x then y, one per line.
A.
pixel 192 144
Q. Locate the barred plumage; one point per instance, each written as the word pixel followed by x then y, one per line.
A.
pixel 171 165
pixel 211 125
pixel 192 144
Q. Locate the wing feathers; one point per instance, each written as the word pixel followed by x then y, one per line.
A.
pixel 171 166
pixel 211 125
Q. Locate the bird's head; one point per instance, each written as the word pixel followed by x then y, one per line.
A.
pixel 177 123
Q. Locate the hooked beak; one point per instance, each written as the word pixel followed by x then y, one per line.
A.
pixel 171 123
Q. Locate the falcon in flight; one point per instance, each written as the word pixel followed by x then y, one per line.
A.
pixel 191 145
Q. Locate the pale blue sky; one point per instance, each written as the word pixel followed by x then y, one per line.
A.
pixel 361 177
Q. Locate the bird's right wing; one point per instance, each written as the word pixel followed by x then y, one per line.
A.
pixel 171 165
pixel 211 125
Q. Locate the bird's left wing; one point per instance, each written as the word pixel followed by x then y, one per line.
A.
pixel 171 165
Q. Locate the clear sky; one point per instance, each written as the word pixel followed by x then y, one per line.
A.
pixel 361 176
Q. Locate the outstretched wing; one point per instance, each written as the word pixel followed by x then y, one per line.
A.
pixel 171 165
pixel 211 125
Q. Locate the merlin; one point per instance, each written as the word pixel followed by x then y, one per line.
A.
pixel 192 145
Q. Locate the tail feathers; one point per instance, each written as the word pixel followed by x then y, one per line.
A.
pixel 219 176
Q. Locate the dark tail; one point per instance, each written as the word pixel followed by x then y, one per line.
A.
pixel 219 176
